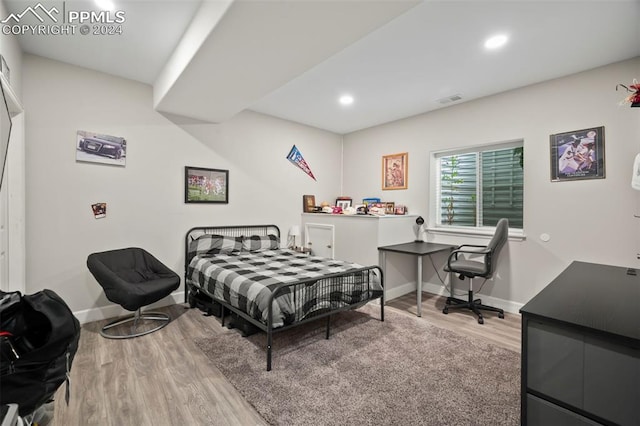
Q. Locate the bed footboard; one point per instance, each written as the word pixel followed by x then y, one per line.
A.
pixel 336 292
pixel 331 287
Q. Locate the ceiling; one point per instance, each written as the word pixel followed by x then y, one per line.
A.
pixel 209 60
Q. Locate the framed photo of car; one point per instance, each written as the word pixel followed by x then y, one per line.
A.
pixel 100 148
pixel 206 185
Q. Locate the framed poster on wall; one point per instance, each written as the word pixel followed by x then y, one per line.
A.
pixel 395 171
pixel 578 155
pixel 206 185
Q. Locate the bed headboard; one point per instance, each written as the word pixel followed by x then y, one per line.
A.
pixel 228 231
pixel 233 231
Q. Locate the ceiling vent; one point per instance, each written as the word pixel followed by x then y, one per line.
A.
pixel 449 99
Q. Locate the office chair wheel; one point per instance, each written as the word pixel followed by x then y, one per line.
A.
pixel 501 315
pixel 445 310
pixel 480 320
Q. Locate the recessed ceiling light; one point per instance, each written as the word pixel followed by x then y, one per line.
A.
pixel 105 4
pixel 346 99
pixel 496 41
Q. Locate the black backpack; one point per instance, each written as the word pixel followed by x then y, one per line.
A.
pixel 38 341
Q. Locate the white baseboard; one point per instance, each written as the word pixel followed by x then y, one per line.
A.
pixel 113 311
pixel 440 290
pixel 398 291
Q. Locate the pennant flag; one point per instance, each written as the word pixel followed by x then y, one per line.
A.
pixel 295 156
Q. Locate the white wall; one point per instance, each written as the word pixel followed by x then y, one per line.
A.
pixel 145 199
pixel 587 220
pixel 12 198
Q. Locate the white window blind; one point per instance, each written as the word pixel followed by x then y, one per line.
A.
pixel 477 187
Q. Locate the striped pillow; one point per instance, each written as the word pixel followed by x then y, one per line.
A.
pixel 260 242
pixel 215 244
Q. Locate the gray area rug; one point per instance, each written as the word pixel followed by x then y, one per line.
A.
pixel 402 371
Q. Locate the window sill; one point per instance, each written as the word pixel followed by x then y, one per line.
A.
pixel 514 234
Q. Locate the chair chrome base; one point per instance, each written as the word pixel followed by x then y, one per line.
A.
pixel 474 305
pixel 138 316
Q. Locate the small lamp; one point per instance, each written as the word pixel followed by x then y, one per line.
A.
pixel 419 222
pixel 294 232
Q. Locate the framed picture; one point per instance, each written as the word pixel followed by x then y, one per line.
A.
pixel 206 185
pixel 99 148
pixel 395 171
pixel 400 209
pixel 578 155
pixel 308 203
pixel 389 208
pixel 368 201
pixel 343 202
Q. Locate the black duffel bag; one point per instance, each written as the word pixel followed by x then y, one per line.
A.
pixel 38 340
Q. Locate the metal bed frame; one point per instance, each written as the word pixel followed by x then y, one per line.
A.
pixel 336 280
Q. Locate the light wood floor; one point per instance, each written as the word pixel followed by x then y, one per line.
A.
pixel 164 379
pixel 502 332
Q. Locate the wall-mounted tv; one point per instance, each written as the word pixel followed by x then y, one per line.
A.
pixel 5 132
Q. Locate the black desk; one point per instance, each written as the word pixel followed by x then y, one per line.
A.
pixel 581 349
pixel 415 249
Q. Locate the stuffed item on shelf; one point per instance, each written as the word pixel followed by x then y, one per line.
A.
pixel 349 210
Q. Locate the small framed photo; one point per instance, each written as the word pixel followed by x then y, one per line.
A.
pixel 343 202
pixel 389 208
pixel 99 210
pixel 308 203
pixel 206 185
pixel 578 155
pixel 395 171
pixel 401 210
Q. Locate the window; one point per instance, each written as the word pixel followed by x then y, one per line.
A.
pixel 478 186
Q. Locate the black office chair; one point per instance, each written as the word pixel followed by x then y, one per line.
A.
pixel 133 278
pixel 462 265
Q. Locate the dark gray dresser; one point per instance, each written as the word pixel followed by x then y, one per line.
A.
pixel 581 349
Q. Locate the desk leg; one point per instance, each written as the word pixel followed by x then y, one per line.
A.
pixel 383 264
pixel 419 285
pixel 452 276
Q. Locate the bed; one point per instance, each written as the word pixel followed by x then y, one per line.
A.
pixel 245 271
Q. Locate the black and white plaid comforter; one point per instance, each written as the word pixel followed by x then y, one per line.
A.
pixel 246 280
